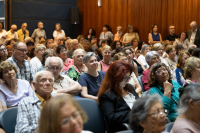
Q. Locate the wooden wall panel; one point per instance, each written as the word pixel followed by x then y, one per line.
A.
pixel 140 13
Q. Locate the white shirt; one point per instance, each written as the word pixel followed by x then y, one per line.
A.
pixel 12 35
pixel 3 33
pixel 35 63
pixel 141 58
pixel 192 38
pixel 61 35
pixel 129 99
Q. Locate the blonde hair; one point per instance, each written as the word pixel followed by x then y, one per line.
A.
pixel 190 65
pixel 180 56
pixel 39 47
pixel 157 46
pixel 106 47
pixel 118 55
pixel 129 27
pixel 4 65
pixel 50 117
pixel 76 51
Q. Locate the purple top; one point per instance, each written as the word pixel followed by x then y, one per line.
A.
pixel 8 99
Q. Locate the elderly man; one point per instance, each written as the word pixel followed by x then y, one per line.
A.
pixel 119 35
pixel 171 36
pixel 151 58
pixel 39 32
pixel 12 34
pixel 24 70
pixel 62 83
pixel 29 107
pixel 23 32
pixel 53 46
pixel 74 45
pixel 194 34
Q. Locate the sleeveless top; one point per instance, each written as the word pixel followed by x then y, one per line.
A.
pixel 104 66
pixel 155 37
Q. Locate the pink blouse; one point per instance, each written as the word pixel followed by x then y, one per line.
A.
pixel 70 62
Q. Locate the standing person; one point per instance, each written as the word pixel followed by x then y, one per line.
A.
pixel 23 32
pixel 119 35
pixel 3 53
pixel 39 32
pixel 12 33
pixel 106 34
pixel 194 34
pixel 90 33
pixel 3 33
pixel 128 37
pixel 154 36
pixel 171 36
pixel 182 40
pixel 58 32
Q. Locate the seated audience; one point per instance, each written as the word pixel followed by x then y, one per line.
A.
pixel 116 97
pixel 11 42
pixel 53 46
pixel 114 46
pixel 191 49
pixel 154 36
pixel 48 42
pixel 148 115
pixel 179 71
pixel 91 80
pixel 3 33
pixel 58 41
pixel 192 70
pixel 36 62
pixel 151 57
pixel 90 33
pixel 23 32
pixel 67 44
pixel 76 70
pixel 106 34
pixel 81 39
pixel 12 33
pixel 104 64
pixel 134 43
pixel 193 34
pixel 62 83
pixel 58 32
pixel 27 39
pixel 24 69
pixel 161 83
pixel 171 36
pixel 29 108
pixel 39 32
pixel 74 45
pixel 182 40
pixel 137 52
pixel 128 37
pixel 103 43
pixel 3 53
pixel 196 53
pixel 94 40
pixel 171 61
pixel 62 114
pixel 30 46
pixel 31 54
pixel 141 58
pixel 67 62
pixel 87 46
pixel 13 89
pixel 188 119
pixel 178 49
pixel 119 35
pixel 9 50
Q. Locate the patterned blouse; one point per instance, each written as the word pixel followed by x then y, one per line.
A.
pixel 74 73
pixel 171 63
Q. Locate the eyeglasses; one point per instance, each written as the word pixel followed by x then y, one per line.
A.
pixel 23 50
pixel 107 53
pixel 66 121
pixel 63 51
pixel 127 78
pixel 159 112
pixel 159 72
pixel 42 50
pixel 54 68
pixel 3 49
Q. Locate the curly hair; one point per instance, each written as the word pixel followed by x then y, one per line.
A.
pixel 152 80
pixel 190 65
pixel 4 65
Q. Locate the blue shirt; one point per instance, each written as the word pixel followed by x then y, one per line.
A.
pixel 179 75
pixel 155 37
pixel 170 104
pixel 92 83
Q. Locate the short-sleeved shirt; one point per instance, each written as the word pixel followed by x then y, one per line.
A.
pixel 170 37
pixel 61 35
pixel 25 72
pixel 70 62
pixel 38 33
pixel 9 99
pixel 74 73
pixel 92 83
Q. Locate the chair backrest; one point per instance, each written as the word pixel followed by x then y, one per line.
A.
pixel 145 93
pixel 140 81
pixel 169 127
pixel 95 121
pixel 127 131
pixel 8 120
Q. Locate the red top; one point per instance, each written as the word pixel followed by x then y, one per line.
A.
pixel 70 62
pixel 145 80
pixel 104 66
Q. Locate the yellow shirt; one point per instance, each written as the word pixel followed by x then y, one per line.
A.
pixel 21 35
pixel 42 100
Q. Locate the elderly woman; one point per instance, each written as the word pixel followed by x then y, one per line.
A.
pixel 3 53
pixel 106 35
pixel 36 61
pixel 62 83
pixel 141 58
pixel 62 53
pixel 13 89
pixel 76 70
pixel 179 71
pixel 182 40
pixel 171 61
pixel 161 83
pixel 62 114
pixel 188 119
pixel 192 70
pixel 91 80
pixel 116 97
pixel 148 115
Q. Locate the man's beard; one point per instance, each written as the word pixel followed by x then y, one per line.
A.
pixel 119 34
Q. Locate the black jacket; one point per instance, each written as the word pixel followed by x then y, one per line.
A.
pixel 197 37
pixel 115 111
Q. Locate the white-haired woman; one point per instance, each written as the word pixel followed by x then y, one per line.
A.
pixel 76 70
pixel 189 107
pixel 141 58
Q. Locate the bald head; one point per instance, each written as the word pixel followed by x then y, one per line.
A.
pixel 74 44
pixel 193 25
pixel 13 28
pixel 24 26
pixel 40 25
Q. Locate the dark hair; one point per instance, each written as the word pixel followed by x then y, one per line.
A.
pixel 178 47
pixel 153 25
pixel 93 37
pixel 181 33
pixel 8 43
pixel 93 32
pixel 2 24
pixel 29 43
pixel 191 49
pixel 41 37
pixel 113 45
pixel 104 41
pixel 107 26
pixel 31 54
pixel 46 52
pixel 119 49
pixel 59 48
pixel 128 44
pixel 169 48
pixel 140 45
pixel 196 52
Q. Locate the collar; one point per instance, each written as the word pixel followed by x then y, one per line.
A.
pixel 41 99
pixel 15 59
pixel 34 99
pixel 163 88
